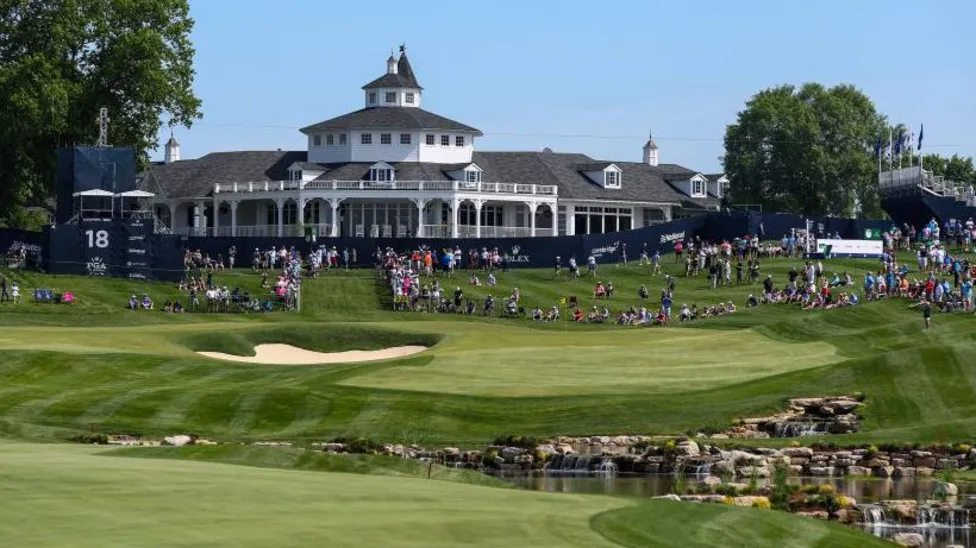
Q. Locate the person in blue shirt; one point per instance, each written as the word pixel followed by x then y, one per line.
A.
pixel 666 305
pixel 967 295
pixel 868 284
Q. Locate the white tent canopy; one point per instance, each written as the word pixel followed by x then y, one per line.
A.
pixel 94 193
pixel 136 194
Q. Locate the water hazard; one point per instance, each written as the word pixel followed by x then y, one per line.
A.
pixel 940 527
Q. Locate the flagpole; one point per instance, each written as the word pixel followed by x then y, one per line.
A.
pixel 891 156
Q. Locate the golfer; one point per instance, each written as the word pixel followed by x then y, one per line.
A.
pixel 927 314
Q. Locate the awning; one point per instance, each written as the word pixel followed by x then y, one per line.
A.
pixel 94 192
pixel 136 194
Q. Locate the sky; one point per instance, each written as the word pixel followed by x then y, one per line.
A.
pixel 587 77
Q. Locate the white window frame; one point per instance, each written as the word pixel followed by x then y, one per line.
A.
pixel 330 140
pixel 472 176
pixel 698 188
pixel 611 178
pixel 366 139
pixel 295 175
pixel 405 139
pixel 430 139
pixel 372 97
pixel 390 97
pixel 459 140
pixel 317 140
pixel 386 138
pixel 342 139
pixel 381 174
pixel 409 98
pixel 445 140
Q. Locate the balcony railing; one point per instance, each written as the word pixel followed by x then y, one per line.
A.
pixel 417 186
pixel 261 231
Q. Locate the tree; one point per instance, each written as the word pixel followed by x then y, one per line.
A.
pixel 954 168
pixel 62 60
pixel 807 150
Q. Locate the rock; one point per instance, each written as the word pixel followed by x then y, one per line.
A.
pixel 749 501
pixel 178 440
pixel 946 490
pixel 671 497
pixel 822 471
pixel 912 540
pixel 452 451
pixel 719 436
pixel 923 472
pixel 711 481
pixel 904 472
pixel 905 511
pixel 970 503
pixel 687 448
pixel 921 454
pixel 509 453
pixel 652 468
pixel 748 471
pixel 791 452
pixel 546 448
pixel 877 463
pixel 843 463
pixel 858 471
pixel 945 464
pixel 799 460
pixel 846 516
pixel 795 470
pixel 621 441
pixel 924 462
pixel 883 471
pixel 816 514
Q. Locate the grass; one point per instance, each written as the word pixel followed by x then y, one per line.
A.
pixel 74 496
pixel 94 365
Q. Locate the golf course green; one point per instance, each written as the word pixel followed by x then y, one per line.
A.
pixel 93 366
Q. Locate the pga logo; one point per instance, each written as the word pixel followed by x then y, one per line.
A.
pixel 96 267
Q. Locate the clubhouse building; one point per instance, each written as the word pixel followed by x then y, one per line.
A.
pixel 394 169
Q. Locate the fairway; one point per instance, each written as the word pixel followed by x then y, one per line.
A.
pixel 136 502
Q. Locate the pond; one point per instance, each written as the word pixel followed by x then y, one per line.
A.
pixel 864 490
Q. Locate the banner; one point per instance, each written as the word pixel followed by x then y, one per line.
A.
pixel 849 248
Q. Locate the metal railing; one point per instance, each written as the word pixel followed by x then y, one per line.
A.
pixel 414 186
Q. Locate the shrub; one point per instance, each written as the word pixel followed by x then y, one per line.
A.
pixel 523 442
pixel 794 443
pixel 825 490
pixel 811 489
pixel 91 438
pixel 962 448
pixel 844 502
pixel 363 446
pixel 762 504
pixel 729 500
pixel 780 493
pixel 859 396
pixel 754 479
pixel 872 451
pixel 725 489
pixel 669 446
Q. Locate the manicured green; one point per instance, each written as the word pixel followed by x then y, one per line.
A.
pixel 69 495
pixel 96 365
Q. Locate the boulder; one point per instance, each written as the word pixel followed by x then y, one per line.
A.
pixel 969 503
pixel 791 452
pixel 847 516
pixel 883 471
pixel 946 490
pixel 912 540
pixel 945 464
pixel 822 471
pixel 671 497
pixel 748 471
pixel 904 472
pixel 451 451
pixel 509 453
pixel 924 462
pixel 687 448
pixel 815 514
pixel 719 436
pixel 877 462
pixel 921 454
pixel 843 463
pixel 923 472
pixel 179 440
pixel 749 501
pixel 622 441
pixel 334 447
pixel 904 511
pixel 711 482
pixel 858 471
pixel 565 449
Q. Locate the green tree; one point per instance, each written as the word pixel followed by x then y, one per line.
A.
pixel 806 150
pixel 954 168
pixel 62 60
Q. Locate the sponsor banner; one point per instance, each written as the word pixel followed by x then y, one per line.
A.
pixel 849 248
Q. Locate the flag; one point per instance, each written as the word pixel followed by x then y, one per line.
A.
pixel 891 142
pixel 899 142
pixel 878 145
pixel 921 133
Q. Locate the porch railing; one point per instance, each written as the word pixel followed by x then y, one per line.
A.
pixel 527 189
pixel 261 231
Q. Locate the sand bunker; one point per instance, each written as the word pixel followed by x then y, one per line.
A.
pixel 285 354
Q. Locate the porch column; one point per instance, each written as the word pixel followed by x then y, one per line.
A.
pixel 172 207
pixel 477 218
pixel 554 208
pixel 199 219
pixel 233 217
pixel 334 203
pixel 570 220
pixel 281 216
pixel 455 205
pixel 421 205
pixel 667 213
pixel 216 216
pixel 301 216
pixel 532 209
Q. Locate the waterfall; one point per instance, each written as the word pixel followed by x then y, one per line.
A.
pixel 796 429
pixel 703 470
pixel 607 467
pixel 927 517
pixel 873 514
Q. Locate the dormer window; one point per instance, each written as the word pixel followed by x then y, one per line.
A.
pixel 391 97
pixel 295 175
pixel 697 188
pixel 472 176
pixel 372 97
pixel 381 172
pixel 409 98
pixel 611 178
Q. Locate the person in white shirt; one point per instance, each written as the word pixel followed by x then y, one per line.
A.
pixel 15 293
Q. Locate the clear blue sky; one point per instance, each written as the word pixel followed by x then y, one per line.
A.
pixel 585 77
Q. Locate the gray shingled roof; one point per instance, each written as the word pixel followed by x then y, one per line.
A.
pixel 392 118
pixel 404 78
pixel 640 182
pixel 195 178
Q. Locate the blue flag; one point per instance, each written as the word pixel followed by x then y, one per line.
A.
pixel 879 144
pixel 921 132
pixel 898 143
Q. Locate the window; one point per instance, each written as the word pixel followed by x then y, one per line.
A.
pixel 612 179
pixel 366 138
pixel 313 212
pixel 342 139
pixel 409 98
pixel 295 175
pixel 380 174
pixel 491 215
pixel 290 211
pixel 330 139
pixel 386 139
pixel 317 140
pixel 459 141
pixel 391 97
pixel 697 188
pixel 372 97
pixel 404 138
pixel 430 140
pixel 445 140
pixel 472 176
